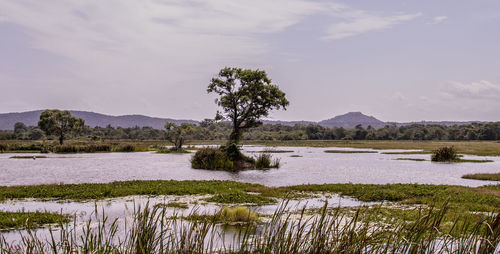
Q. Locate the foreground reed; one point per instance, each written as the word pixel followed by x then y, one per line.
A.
pixel 152 230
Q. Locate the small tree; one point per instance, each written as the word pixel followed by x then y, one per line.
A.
pixel 59 123
pixel 245 97
pixel 176 134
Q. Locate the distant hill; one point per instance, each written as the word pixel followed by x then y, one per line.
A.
pixel 352 119
pixel 92 119
pixel 349 120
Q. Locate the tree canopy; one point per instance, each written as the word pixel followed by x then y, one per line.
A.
pixel 177 133
pixel 59 123
pixel 245 97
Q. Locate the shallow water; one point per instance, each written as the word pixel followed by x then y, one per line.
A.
pixel 122 210
pixel 314 167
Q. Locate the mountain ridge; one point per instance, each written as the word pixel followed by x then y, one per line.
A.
pixel 348 120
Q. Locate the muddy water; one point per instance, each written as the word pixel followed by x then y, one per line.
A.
pixel 313 167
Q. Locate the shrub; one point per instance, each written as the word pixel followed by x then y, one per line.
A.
pixel 237 214
pixel 263 161
pixel 445 154
pixel 212 159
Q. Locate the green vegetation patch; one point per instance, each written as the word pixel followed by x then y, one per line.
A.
pixel 121 189
pixel 180 205
pixel 415 152
pixel 229 215
pixel 409 159
pixel 472 199
pixel 485 198
pixel 472 161
pixel 344 151
pixel 483 176
pixel 295 156
pixel 28 157
pixel 16 220
pixel 172 151
pixel 272 151
pixel 241 198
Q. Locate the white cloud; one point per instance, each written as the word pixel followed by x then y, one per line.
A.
pixel 437 20
pixel 361 22
pixel 476 90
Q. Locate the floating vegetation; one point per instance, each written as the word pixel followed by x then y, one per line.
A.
pixel 409 159
pixel 16 220
pixel 180 205
pixel 414 152
pixel 295 156
pixel 272 151
pixel 28 157
pixel 483 176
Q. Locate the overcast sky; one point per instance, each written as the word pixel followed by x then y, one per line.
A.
pixel 396 60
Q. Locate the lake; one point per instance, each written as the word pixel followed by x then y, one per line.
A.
pixel 313 167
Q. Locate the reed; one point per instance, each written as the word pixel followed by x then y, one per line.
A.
pixel 327 231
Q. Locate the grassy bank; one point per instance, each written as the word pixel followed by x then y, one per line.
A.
pixel 10 220
pixel 486 177
pixel 485 198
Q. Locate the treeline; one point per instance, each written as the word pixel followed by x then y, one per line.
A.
pixel 208 130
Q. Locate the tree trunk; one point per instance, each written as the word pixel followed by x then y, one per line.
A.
pixel 61 139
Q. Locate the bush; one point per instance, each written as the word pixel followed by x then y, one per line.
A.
pixel 263 161
pixel 445 154
pixel 212 159
pixel 237 214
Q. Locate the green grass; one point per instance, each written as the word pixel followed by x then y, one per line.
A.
pixel 460 197
pixel 485 176
pixel 295 156
pixel 16 220
pixel 344 151
pixel 121 189
pixel 240 198
pixel 485 198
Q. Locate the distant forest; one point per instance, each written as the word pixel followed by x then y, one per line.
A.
pixel 209 130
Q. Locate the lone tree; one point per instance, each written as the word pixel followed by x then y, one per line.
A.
pixel 245 96
pixel 59 123
pixel 176 134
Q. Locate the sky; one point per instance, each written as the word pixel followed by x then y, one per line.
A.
pixel 396 60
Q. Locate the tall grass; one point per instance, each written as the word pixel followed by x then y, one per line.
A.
pixel 265 161
pixel 327 231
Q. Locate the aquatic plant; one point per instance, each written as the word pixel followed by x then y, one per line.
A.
pixel 264 161
pixel 212 159
pixel 326 231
